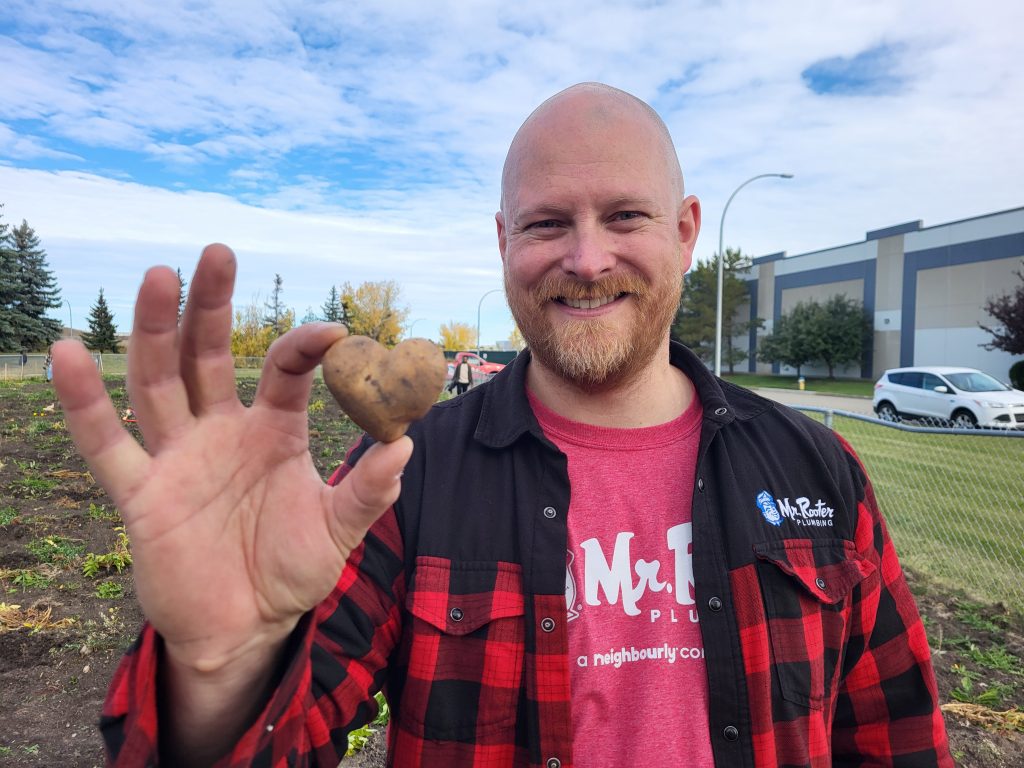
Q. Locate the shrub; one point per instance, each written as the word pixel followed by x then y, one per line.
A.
pixel 1017 375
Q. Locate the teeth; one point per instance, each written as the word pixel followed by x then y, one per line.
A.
pixel 589 303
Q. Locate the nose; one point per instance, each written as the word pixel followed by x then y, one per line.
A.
pixel 589 253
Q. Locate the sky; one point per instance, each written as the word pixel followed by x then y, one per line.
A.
pixel 351 141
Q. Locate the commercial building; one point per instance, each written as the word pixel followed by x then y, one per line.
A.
pixel 925 287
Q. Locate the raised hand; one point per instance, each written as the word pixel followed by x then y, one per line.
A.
pixel 234 534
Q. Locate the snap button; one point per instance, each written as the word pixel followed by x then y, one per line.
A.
pixel 456 614
pixel 721 411
pixel 548 625
pixel 549 512
pixel 819 583
pixel 700 484
pixel 731 732
pixel 715 603
pixel 554 762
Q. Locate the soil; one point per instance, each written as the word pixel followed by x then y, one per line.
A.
pixel 60 644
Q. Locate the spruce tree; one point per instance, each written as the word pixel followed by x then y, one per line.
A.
pixel 35 292
pixel 332 307
pixel 272 318
pixel 102 335
pixel 182 295
pixel 8 342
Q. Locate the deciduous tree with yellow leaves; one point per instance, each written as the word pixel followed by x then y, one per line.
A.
pixel 456 336
pixel 374 311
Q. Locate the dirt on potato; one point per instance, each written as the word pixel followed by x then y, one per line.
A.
pixel 68 610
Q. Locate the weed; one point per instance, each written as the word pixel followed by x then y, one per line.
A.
pixel 32 486
pixel 100 512
pixel 971 615
pixel 119 559
pixel 32 749
pixel 316 406
pixel 5 751
pixel 37 428
pixel 30 578
pixel 7 516
pixel 965 690
pixel 104 635
pixel 56 550
pixel 357 739
pixel 997 658
pixel 109 590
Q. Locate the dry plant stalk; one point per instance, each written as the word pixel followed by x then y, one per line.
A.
pixel 979 714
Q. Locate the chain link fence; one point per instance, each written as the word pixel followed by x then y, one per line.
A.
pixel 953 500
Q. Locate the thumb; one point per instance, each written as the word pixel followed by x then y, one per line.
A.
pixel 368 491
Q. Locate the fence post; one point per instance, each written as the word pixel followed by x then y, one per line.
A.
pixel 828 419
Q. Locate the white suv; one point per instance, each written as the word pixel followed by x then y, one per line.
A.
pixel 963 397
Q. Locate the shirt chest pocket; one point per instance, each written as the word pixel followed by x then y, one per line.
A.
pixel 807 590
pixel 464 653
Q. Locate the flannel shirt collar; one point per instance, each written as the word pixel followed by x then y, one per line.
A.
pixel 506 415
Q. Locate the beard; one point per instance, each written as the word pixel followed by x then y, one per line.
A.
pixel 595 354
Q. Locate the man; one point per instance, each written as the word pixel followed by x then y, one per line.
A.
pixel 604 556
pixel 462 376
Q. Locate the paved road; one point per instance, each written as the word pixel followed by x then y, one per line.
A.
pixel 840 403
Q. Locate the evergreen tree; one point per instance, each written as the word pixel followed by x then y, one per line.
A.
pixel 31 291
pixel 310 316
pixel 182 294
pixel 696 318
pixel 102 335
pixel 275 309
pixel 332 308
pixel 8 342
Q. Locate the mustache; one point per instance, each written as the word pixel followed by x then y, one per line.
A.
pixel 562 287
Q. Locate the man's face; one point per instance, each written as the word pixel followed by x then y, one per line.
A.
pixel 595 237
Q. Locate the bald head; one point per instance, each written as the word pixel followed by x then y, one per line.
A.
pixel 590 112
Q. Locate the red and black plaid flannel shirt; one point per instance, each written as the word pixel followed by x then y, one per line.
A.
pixel 455 606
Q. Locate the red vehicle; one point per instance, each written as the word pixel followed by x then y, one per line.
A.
pixel 482 369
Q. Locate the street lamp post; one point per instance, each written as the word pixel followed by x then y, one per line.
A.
pixel 480 304
pixel 411 326
pixel 71 323
pixel 721 265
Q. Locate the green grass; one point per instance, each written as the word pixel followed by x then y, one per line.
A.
pixel 7 516
pixel 954 504
pixel 853 387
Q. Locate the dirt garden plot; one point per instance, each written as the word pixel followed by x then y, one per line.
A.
pixel 67 607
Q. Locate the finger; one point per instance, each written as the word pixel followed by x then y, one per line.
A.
pixel 288 371
pixel 157 392
pixel 367 491
pixel 207 365
pixel 117 462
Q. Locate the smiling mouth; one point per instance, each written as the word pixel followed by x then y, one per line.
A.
pixel 594 303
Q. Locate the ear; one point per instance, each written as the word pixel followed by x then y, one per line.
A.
pixel 499 219
pixel 688 226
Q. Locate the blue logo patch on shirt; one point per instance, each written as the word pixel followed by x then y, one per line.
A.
pixel 766 504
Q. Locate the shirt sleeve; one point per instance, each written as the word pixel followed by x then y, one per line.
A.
pixel 887 711
pixel 335 661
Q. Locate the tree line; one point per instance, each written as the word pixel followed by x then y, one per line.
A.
pixel 835 332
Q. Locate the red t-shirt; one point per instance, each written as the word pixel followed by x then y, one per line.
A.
pixel 634 644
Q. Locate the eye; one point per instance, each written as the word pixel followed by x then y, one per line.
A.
pixel 545 224
pixel 626 215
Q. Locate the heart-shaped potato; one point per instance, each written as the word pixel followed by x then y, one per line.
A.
pixel 381 390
